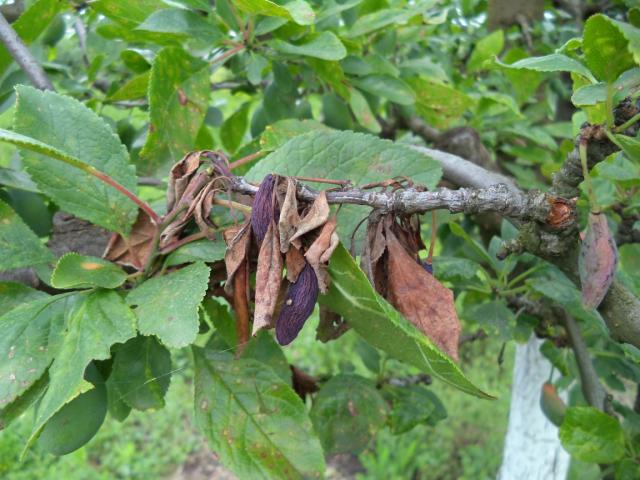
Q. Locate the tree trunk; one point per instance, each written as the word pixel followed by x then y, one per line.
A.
pixel 532 448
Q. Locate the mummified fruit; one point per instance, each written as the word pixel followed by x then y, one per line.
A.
pixel 262 212
pixel 598 260
pixel 298 305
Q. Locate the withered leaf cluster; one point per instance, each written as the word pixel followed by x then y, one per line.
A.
pixel 289 236
pixel 390 259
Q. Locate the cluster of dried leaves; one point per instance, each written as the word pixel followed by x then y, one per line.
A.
pixel 390 260
pixel 286 233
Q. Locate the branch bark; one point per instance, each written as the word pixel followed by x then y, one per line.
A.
pixel 23 57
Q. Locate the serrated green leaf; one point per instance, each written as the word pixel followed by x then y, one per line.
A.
pixel 14 294
pixel 30 336
pixel 141 373
pixel 78 421
pixel 167 306
pixel 413 405
pixel 19 246
pixel 494 316
pixel 362 111
pixel 181 23
pixel 387 16
pixel 233 129
pixel 276 135
pixel 80 271
pixel 480 251
pixel 610 47
pixel 97 320
pixel 64 129
pixel 437 103
pixel 179 90
pixel 325 45
pixel 17 179
pixel 202 250
pixel 15 409
pixel 264 349
pixel 485 49
pixel 454 268
pixel 255 422
pixel 386 86
pixel 135 88
pixel 352 296
pixel 128 14
pixel 630 146
pixel 297 10
pixel 347 413
pixel 358 157
pixel 555 62
pixel 624 85
pixel 30 25
pixel 590 435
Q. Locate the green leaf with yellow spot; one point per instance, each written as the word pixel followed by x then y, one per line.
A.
pixel 79 271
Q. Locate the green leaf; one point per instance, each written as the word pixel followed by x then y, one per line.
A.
pixel 630 146
pixel 480 251
pixel 555 62
pixel 30 335
pixel 255 422
pixel 202 250
pixel 79 271
pixel 135 88
pixel 15 409
pixel 347 413
pixel 388 87
pixel 264 349
pixel 279 133
pixel 179 90
pixel 297 10
pixel 182 24
pixel 64 129
pixel 352 296
pixel 97 320
pixel 19 246
pixel 78 421
pixel 454 268
pixel 167 306
pixel 624 86
pixel 362 111
pixel 411 406
pixel 325 45
pixel 128 14
pixel 14 294
pixel 610 47
pixel 17 179
pixel 485 49
pixel 142 372
pixel 493 316
pixel 358 157
pixel 590 435
pixel 437 103
pixel 30 25
pixel 233 129
pixel 387 16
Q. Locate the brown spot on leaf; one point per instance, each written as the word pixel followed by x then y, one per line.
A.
pixel 91 266
pixel 182 97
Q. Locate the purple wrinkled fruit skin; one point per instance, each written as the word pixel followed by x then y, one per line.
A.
pixel 262 212
pixel 298 306
pixel 428 267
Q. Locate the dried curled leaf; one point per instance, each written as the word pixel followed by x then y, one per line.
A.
pixel 180 176
pixel 268 279
pixel 133 251
pixel 262 213
pixel 298 305
pixel 289 217
pixel 317 216
pixel 598 260
pixel 319 253
pixel 295 264
pixel 238 240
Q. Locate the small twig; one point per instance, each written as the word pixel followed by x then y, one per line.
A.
pixel 227 54
pixel 151 182
pixel 434 236
pixel 183 241
pixel 472 337
pixel 245 209
pixel 592 389
pixel 342 183
pixel 81 32
pixel 245 160
pixel 23 56
pixel 627 124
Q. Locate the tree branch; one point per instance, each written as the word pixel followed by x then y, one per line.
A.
pixel 495 198
pixel 592 389
pixel 23 56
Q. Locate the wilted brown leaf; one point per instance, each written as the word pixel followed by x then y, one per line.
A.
pixel 289 217
pixel 598 260
pixel 295 263
pixel 238 240
pixel 319 253
pixel 180 176
pixel 134 250
pixel 317 215
pixel 421 298
pixel 268 279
